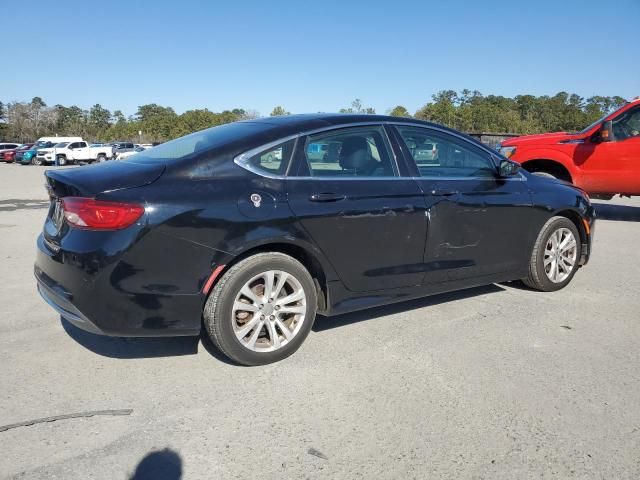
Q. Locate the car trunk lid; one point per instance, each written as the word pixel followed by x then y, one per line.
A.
pixel 104 177
pixel 90 181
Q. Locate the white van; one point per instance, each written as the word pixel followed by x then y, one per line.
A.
pixel 42 140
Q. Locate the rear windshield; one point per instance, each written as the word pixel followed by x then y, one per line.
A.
pixel 198 141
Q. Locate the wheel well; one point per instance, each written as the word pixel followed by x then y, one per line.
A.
pixel 303 256
pixel 577 221
pixel 550 166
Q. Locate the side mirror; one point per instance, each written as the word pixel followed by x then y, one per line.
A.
pixel 508 168
pixel 606 131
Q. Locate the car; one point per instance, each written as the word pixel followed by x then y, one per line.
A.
pixel 10 156
pixel 603 159
pixel 118 148
pixel 29 157
pixel 7 146
pixel 209 228
pixel 73 152
pixel 129 153
pixel 55 140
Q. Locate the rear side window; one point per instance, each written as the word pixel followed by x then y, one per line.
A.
pixel 273 160
pixel 199 142
pixel 349 152
pixel 437 154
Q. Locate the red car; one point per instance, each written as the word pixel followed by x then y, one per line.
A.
pixel 603 159
pixel 9 156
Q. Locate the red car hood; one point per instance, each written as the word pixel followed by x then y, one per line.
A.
pixel 541 139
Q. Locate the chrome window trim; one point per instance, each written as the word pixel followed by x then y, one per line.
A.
pixel 242 159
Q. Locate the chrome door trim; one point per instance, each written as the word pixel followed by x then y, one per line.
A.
pixel 242 159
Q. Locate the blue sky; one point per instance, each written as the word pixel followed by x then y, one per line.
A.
pixel 314 56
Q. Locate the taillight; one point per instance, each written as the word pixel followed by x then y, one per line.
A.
pixel 94 214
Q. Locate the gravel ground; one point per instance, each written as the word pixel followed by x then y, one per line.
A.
pixel 493 382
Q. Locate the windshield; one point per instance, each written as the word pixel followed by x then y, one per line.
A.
pixel 597 122
pixel 600 120
pixel 61 145
pixel 199 141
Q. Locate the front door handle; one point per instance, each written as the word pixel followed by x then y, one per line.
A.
pixel 443 192
pixel 327 197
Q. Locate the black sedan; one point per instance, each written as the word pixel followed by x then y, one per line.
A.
pixel 254 227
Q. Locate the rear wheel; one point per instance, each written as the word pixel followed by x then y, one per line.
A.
pixel 262 309
pixel 36 161
pixel 102 158
pixel 555 257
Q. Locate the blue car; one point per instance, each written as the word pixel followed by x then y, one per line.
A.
pixel 28 157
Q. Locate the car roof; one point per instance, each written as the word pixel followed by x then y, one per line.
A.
pixel 294 124
pixel 328 119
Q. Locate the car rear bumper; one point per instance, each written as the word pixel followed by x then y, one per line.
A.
pixel 95 293
pixel 66 309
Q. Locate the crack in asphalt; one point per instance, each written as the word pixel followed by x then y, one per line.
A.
pixel 28 423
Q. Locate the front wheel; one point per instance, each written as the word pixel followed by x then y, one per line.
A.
pixel 36 161
pixel 62 160
pixel 555 257
pixel 262 309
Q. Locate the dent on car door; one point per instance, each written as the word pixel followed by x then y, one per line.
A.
pixel 478 223
pixel 366 219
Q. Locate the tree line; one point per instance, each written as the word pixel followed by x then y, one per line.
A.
pixel 468 111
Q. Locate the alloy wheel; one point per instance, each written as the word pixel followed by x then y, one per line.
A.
pixel 269 311
pixel 560 255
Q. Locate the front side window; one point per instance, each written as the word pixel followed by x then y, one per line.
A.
pixel 273 160
pixel 349 152
pixel 627 125
pixel 440 155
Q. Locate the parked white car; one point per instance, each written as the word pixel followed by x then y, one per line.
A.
pixel 127 154
pixel 72 152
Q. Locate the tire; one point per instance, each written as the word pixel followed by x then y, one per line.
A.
pixel 62 160
pixel 36 161
pixel 543 253
pixel 101 158
pixel 222 319
pixel 545 174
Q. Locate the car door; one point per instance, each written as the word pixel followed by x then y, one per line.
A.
pixel 614 166
pixel 479 224
pixel 73 151
pixel 82 151
pixel 366 219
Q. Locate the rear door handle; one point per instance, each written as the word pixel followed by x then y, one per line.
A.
pixel 327 197
pixel 443 192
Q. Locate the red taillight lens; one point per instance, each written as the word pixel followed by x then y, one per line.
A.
pixel 98 215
